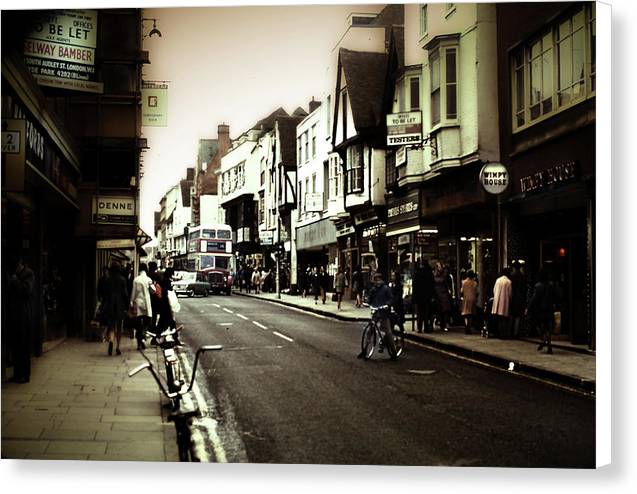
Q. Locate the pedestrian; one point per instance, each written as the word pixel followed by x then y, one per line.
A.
pixel 115 305
pixel 518 302
pixel 422 293
pixel 502 302
pixel 396 286
pixel 21 296
pixel 324 281
pixel 542 309
pixel 155 293
pixel 247 278
pixel 339 285
pixel 141 304
pixel 101 283
pixel 357 286
pixel 166 316
pixel 315 281
pixel 443 296
pixel 256 280
pixel 469 292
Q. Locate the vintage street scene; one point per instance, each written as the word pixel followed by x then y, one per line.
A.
pixel 304 234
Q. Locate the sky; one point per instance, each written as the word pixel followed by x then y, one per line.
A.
pixel 231 65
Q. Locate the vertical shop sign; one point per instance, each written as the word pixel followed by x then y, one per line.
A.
pixel 154 104
pixel 59 49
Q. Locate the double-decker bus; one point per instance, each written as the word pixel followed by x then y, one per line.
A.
pixel 210 247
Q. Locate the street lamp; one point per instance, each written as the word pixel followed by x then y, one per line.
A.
pixel 154 30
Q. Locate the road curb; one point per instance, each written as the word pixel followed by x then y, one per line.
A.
pixel 501 363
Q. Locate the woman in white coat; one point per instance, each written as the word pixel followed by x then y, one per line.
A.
pixel 501 302
pixel 140 304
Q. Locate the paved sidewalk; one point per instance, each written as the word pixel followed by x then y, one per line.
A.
pixel 81 405
pixel 570 365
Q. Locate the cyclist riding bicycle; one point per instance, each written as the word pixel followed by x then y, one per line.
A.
pixel 381 295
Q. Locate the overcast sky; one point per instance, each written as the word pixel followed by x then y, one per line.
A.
pixel 232 65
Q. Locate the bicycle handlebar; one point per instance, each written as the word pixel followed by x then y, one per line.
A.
pixel 148 365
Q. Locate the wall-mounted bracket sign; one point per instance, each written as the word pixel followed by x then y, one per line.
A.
pixel 494 177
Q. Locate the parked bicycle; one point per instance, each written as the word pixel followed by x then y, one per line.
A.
pixel 374 334
pixel 180 415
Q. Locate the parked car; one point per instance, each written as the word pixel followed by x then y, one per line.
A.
pixel 220 280
pixel 191 283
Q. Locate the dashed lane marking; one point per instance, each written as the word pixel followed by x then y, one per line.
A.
pixel 216 305
pixel 307 313
pixel 242 317
pixel 421 372
pixel 282 336
pixel 225 323
pixel 228 311
pixel 259 324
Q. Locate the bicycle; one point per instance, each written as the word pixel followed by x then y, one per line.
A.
pixel 181 416
pixel 374 335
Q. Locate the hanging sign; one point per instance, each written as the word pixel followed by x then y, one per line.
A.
pixel 59 50
pixel 154 104
pixel 494 177
pixel 404 128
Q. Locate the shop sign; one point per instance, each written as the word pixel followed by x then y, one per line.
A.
pixel 344 229
pixel 494 177
pixel 59 50
pixel 365 217
pixel 314 202
pixel 13 148
pixel 404 208
pixel 404 128
pixel 403 239
pixel 374 231
pixel 401 156
pixel 554 175
pixel 266 237
pixel 316 234
pixel 115 210
pixel 154 104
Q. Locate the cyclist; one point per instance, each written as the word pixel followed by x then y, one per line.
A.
pixel 381 295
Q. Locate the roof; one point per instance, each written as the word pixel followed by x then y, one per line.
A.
pixel 287 137
pixel 267 123
pixel 365 78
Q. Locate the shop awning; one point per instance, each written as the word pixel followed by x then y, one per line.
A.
pixel 403 227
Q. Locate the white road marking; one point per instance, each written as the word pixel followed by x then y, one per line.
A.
pixel 242 317
pixel 216 305
pixel 422 372
pixel 225 323
pixel 228 311
pixel 259 324
pixel 282 336
pixel 209 424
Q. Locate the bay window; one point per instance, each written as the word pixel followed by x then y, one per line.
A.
pixel 443 70
pixel 555 69
pixel 354 168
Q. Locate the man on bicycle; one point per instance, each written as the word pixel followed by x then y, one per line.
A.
pixel 381 295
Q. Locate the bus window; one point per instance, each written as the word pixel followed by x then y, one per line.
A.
pixel 222 262
pixel 224 234
pixel 208 233
pixel 207 262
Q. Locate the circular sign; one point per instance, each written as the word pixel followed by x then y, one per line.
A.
pixel 494 177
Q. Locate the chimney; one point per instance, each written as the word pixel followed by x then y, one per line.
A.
pixel 190 173
pixel 314 105
pixel 223 131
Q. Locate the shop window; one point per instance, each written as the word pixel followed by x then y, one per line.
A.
pixel 555 69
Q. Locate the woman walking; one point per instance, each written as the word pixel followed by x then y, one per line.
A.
pixel 396 286
pixel 443 296
pixel 166 317
pixel 339 285
pixel 357 286
pixel 469 291
pixel 542 309
pixel 115 305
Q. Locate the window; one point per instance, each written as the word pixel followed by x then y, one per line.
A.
pixel 391 174
pixel 299 159
pixel 314 141
pixel 335 174
pixel 313 183
pixel 262 170
pixel 326 183
pixel 355 168
pixel 555 69
pixel 306 154
pixel 328 119
pixel 307 189
pixel 423 20
pixel 299 194
pixel 261 217
pixel 443 66
pixel 414 93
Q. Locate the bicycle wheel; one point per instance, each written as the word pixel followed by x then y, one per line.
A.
pixel 399 342
pixel 368 340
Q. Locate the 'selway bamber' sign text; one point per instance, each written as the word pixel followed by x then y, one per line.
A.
pixel 554 175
